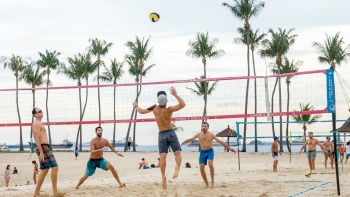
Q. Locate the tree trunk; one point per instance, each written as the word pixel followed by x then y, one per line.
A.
pixel 114 125
pixel 80 119
pixel 132 114
pixel 247 91
pixel 98 89
pixel 255 105
pixel 272 99
pixel 31 128
pixel 134 134
pixel 19 117
pixel 205 90
pixel 47 107
pixel 304 128
pixel 280 107
pixel 287 126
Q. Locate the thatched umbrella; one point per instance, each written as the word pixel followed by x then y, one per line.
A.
pixel 345 128
pixel 227 133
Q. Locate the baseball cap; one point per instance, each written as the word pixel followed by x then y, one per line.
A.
pixel 161 92
pixel 162 100
pixel 275 137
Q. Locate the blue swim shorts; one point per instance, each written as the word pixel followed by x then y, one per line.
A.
pixel 92 164
pixel 168 138
pixel 205 155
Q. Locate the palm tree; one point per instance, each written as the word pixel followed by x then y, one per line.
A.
pixel 277 48
pixel 307 118
pixel 49 61
pixel 34 77
pixel 288 67
pixel 244 10
pixel 255 40
pixel 203 48
pixel 332 52
pixel 140 53
pixel 112 74
pixel 17 64
pixel 202 86
pixel 176 128
pixel 99 48
pixel 75 72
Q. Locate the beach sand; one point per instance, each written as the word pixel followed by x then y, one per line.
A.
pixel 255 178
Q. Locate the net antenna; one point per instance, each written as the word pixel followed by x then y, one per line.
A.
pixel 267 101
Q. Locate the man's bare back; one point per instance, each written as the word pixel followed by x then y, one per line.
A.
pixel 163 117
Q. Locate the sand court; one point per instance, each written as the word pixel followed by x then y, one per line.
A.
pixel 254 179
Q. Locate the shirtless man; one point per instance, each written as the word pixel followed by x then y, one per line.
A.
pixel 311 154
pixel 167 136
pixel 97 146
pixel 274 150
pixel 329 147
pixel 207 153
pixel 143 164
pixel 42 148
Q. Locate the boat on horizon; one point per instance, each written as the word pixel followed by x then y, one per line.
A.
pixel 66 144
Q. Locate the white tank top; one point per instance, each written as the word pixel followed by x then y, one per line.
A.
pixel 347 150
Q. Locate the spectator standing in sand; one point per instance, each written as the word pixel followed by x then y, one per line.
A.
pixel 347 150
pixel 207 153
pixel 311 153
pixel 35 171
pixel 97 146
pixel 166 136
pixel 274 150
pixel 76 152
pixel 46 158
pixel 329 147
pixel 7 175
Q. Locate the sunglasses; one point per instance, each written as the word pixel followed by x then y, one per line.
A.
pixel 41 111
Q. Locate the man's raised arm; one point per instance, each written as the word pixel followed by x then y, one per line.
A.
pixel 140 110
pixel 181 104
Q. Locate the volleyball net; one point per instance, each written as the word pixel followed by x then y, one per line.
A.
pixel 225 101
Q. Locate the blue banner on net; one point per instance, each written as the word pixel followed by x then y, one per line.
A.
pixel 330 91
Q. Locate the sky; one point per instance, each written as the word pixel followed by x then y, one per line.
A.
pixel 29 27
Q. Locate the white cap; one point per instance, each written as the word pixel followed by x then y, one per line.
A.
pixel 162 100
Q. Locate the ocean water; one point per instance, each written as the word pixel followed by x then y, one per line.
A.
pixel 185 148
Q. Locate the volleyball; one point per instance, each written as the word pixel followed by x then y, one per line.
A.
pixel 308 174
pixel 154 17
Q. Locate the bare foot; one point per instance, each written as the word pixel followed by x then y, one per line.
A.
pixel 122 185
pixel 206 187
pixel 176 173
pixel 212 185
pixel 59 194
pixel 164 184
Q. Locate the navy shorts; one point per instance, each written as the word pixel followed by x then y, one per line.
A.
pixel 206 155
pixel 168 138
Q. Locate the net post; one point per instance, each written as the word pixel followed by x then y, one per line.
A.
pixel 239 161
